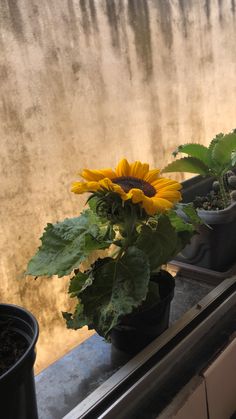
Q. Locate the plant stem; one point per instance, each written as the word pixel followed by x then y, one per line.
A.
pixel 223 192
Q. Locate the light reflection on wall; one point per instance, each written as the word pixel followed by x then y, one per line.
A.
pixel 84 83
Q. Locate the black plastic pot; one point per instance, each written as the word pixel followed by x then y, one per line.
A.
pixel 215 247
pixel 137 330
pixel 17 387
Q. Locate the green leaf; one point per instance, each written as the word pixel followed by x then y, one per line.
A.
pixel 92 203
pixel 78 319
pixel 187 164
pixel 78 283
pixel 198 151
pixel 213 142
pixel 118 287
pixel 224 149
pixel 178 222
pixel 159 244
pixel 185 227
pixel 191 213
pixel 66 244
pixel 169 237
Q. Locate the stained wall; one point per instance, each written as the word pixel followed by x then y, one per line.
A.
pixel 82 84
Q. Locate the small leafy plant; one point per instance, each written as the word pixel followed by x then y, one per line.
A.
pixel 216 161
pixel 131 216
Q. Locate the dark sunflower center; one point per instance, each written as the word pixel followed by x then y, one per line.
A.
pixel 129 182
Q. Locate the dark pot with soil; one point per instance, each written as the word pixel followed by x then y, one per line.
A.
pixel 138 329
pixel 18 336
pixel 215 245
pixel 213 195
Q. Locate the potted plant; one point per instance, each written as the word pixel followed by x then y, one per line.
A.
pixel 213 195
pixel 123 293
pixel 18 336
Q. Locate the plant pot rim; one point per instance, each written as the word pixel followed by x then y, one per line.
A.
pixel 32 323
pixel 222 216
pixel 215 213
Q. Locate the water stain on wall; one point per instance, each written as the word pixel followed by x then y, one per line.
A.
pixel 93 14
pixel 76 67
pixel 233 6
pixel 84 83
pixel 184 7
pixel 207 8
pixel 12 117
pixel 32 111
pixel 16 19
pixel 166 19
pixel 221 15
pixel 4 73
pixel 155 127
pixel 85 19
pixel 73 21
pixel 138 12
pixel 113 19
pixel 125 37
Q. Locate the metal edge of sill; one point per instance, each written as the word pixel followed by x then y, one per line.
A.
pixel 160 372
pixel 173 335
pixel 197 273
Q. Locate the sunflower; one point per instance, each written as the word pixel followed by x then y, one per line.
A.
pixel 133 182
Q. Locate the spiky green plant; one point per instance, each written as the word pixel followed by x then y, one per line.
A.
pixel 214 160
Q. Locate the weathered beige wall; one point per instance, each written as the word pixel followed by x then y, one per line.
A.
pixel 84 83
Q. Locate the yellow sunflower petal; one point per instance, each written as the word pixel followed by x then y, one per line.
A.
pixel 167 190
pixel 123 168
pixel 162 181
pixel 139 170
pixel 106 183
pixel 136 195
pixel 166 183
pixel 162 204
pixel 108 173
pixel 152 175
pixel 81 187
pixel 110 186
pixel 172 196
pixel 95 175
pixel 149 205
pixel 170 188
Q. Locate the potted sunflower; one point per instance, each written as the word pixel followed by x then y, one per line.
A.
pixel 125 236
pixel 213 194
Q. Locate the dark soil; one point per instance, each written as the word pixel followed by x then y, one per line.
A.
pixel 211 201
pixel 12 347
